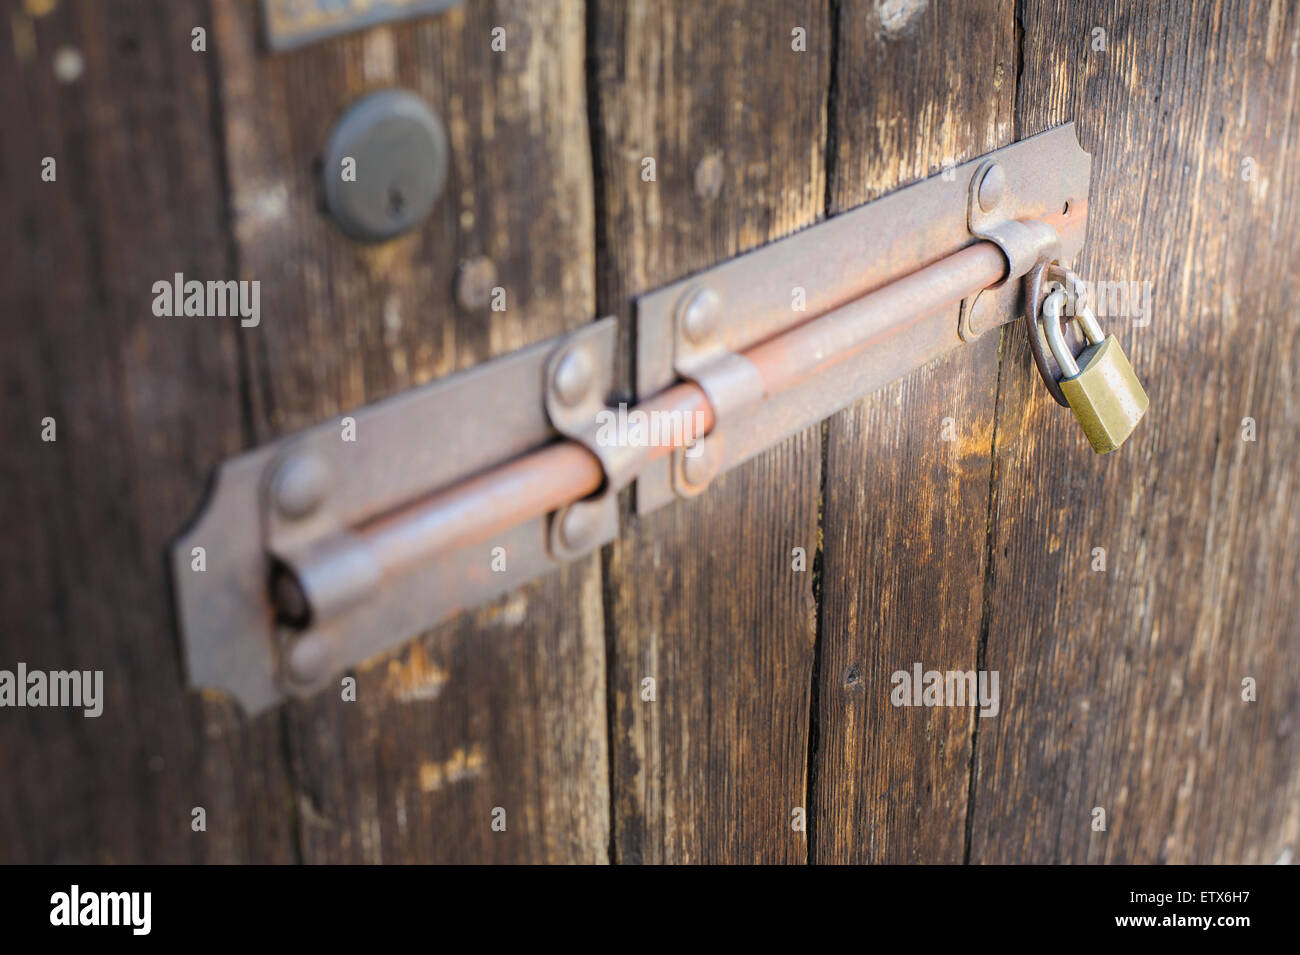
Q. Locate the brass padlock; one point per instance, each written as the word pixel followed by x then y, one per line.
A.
pixel 1103 392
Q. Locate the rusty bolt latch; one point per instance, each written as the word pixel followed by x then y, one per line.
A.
pixel 475 484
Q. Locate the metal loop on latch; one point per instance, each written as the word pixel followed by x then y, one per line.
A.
pixel 578 378
pixel 1041 281
pixel 993 214
pixel 729 380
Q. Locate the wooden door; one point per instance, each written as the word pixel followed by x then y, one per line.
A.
pixel 954 519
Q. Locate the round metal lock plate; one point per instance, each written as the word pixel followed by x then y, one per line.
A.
pixel 399 152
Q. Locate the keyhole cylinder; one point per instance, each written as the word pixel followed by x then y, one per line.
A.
pixel 384 165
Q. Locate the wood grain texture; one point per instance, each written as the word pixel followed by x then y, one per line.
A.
pixel 144 406
pixel 703 597
pixel 1119 689
pixel 503 708
pixel 906 499
pixel 1122 689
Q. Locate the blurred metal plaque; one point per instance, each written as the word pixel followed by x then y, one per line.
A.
pixel 294 23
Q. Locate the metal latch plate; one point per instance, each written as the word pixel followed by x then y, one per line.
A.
pixel 430 437
pixel 373 527
pixel 836 261
pixel 290 24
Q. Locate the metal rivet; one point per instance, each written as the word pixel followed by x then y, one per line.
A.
pixel 577 526
pixel 300 484
pixel 976 314
pixel 700 468
pixel 700 314
pixel 992 187
pixel 708 176
pixel 572 376
pixel 475 280
pixel 308 659
pixel 399 148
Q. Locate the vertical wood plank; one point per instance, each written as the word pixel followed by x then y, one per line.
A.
pixel 143 406
pixel 703 598
pixel 505 707
pixel 1122 689
pixel 916 88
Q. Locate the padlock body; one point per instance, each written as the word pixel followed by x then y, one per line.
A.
pixel 1105 395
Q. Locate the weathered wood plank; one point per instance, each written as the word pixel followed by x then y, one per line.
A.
pixel 917 87
pixel 1122 689
pixel 504 708
pixel 144 406
pixel 702 594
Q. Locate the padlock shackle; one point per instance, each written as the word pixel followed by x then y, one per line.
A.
pixel 1091 327
pixel 1052 307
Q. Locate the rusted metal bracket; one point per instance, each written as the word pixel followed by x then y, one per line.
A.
pixel 1030 199
pixel 1005 217
pixel 322 549
pixel 290 24
pixel 340 542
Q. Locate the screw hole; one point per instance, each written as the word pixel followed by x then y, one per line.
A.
pixel 290 600
pixel 396 202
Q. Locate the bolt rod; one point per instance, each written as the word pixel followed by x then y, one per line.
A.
pixel 564 471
